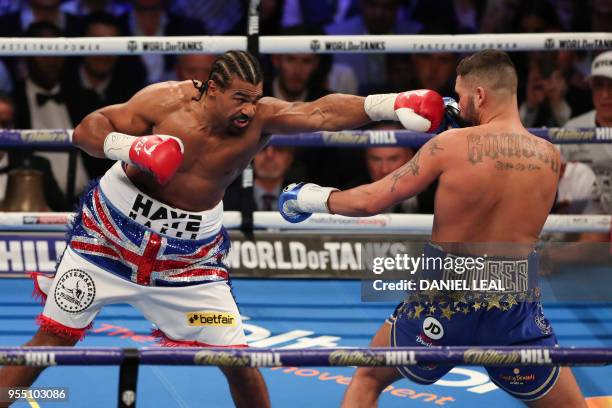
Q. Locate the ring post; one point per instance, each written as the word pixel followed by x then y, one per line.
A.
pixel 128 378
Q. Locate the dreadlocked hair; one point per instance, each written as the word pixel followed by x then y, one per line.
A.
pixel 239 63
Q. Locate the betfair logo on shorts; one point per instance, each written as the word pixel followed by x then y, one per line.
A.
pixel 210 318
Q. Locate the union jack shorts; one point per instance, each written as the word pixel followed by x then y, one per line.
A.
pixel 180 285
pixel 114 242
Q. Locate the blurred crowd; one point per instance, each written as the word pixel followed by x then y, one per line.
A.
pixel 556 88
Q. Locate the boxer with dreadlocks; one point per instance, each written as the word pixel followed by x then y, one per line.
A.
pixel 150 232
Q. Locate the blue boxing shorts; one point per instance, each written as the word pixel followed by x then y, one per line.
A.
pixel 490 320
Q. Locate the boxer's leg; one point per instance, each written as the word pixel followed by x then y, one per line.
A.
pixel 368 382
pixel 565 393
pixel 22 376
pixel 536 386
pixel 204 315
pixel 78 291
pixel 247 387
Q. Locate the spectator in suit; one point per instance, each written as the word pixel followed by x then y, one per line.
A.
pixel 40 98
pixel 16 24
pixel 41 102
pixel 271 167
pixel 382 161
pixel 100 80
pixel 296 78
pixel 13 159
pixel 301 78
pixel 150 18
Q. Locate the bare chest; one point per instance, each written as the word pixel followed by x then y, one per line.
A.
pixel 213 157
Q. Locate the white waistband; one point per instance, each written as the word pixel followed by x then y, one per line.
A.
pixel 159 217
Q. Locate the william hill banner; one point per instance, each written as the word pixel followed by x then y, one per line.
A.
pixel 37 252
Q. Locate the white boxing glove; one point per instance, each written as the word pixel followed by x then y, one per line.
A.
pixel 421 110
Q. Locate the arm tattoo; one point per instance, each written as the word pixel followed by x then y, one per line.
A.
pixel 433 147
pixel 411 167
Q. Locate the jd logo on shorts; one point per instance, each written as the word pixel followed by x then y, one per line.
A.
pixel 433 328
pixel 210 318
pixel 75 291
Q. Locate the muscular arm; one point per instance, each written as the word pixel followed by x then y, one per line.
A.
pixel 407 181
pixel 134 117
pixel 331 112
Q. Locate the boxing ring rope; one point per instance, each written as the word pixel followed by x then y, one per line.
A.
pixel 323 44
pixel 399 223
pixel 61 138
pixel 382 223
pixel 129 359
pixel 321 357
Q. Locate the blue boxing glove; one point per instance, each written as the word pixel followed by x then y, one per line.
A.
pixel 298 201
pixel 452 117
pixel 452 114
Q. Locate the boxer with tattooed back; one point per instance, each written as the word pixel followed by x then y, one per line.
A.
pixel 496 186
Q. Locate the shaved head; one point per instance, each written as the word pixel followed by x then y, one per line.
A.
pixel 489 69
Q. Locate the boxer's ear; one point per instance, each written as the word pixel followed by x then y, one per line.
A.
pixel 480 95
pixel 212 88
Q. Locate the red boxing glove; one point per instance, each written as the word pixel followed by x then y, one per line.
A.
pixel 160 155
pixel 425 103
